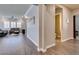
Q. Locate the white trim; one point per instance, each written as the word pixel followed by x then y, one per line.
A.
pixel 43 26
pixel 32 41
pixel 44 50
pixel 67 39
pixel 58 14
pixel 41 49
pixel 49 46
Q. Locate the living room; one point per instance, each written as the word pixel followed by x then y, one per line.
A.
pixel 10 25
pixel 13 29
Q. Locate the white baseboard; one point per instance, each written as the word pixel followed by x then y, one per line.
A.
pixel 32 41
pixel 49 46
pixel 41 49
pixel 44 50
pixel 67 39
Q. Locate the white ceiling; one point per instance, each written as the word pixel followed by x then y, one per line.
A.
pixel 20 9
pixel 72 6
pixel 13 9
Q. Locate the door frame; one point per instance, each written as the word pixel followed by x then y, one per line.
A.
pixel 60 23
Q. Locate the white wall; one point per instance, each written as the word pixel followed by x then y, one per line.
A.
pixel 33 29
pixel 49 25
pixel 46 26
pixel 76 12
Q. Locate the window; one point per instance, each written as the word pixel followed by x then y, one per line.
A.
pixel 13 24
pixel 6 24
pixel 18 24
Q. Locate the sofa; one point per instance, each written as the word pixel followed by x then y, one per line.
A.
pixel 3 33
pixel 14 31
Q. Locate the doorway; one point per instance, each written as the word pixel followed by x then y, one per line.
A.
pixel 76 27
pixel 58 24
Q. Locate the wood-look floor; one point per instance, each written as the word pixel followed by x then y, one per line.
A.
pixel 20 45
pixel 17 45
pixel 70 47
